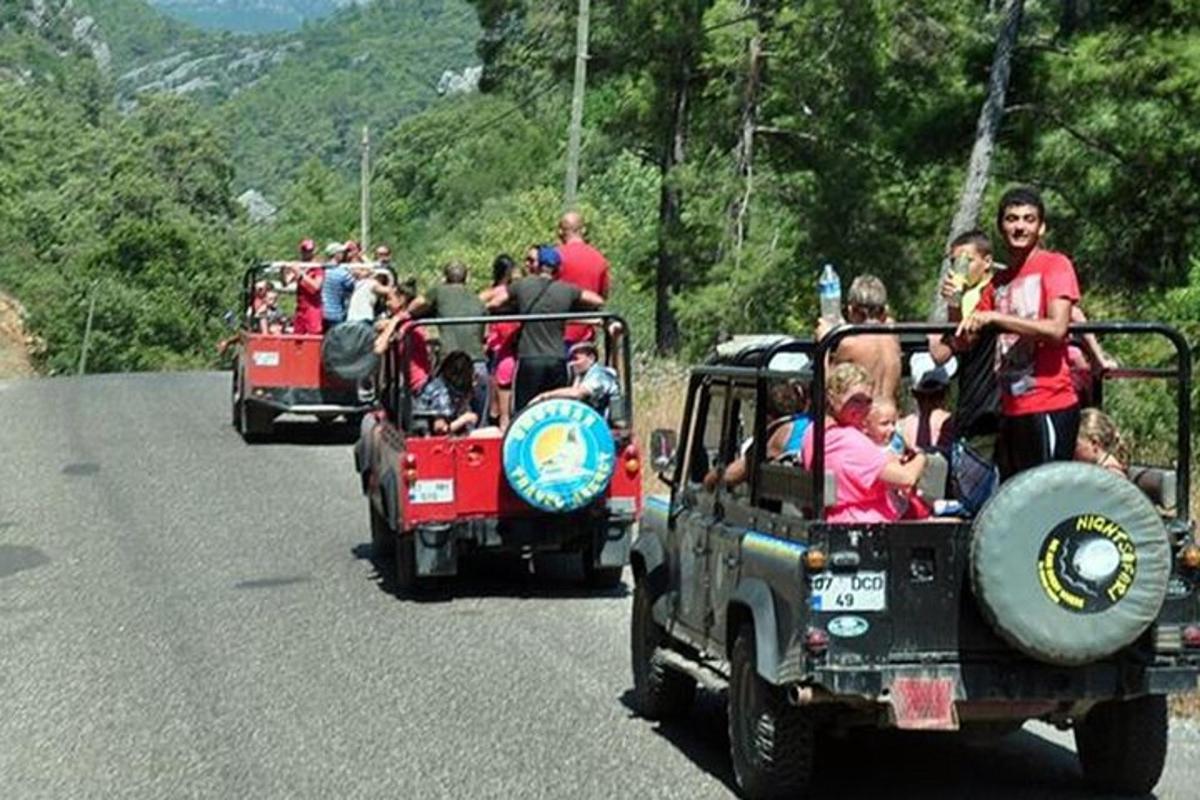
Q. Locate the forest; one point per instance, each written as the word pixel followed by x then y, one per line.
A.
pixel 730 149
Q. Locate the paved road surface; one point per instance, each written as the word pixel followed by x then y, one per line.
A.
pixel 182 615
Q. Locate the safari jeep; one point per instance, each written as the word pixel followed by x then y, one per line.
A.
pixel 1071 597
pixel 283 373
pixel 563 479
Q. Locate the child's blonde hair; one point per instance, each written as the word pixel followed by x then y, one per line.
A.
pixel 842 377
pixel 1099 428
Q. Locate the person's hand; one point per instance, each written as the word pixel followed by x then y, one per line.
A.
pixel 949 289
pixel 616 329
pixel 1108 362
pixel 975 323
pixel 823 328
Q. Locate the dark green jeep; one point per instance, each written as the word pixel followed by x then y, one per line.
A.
pixel 1071 597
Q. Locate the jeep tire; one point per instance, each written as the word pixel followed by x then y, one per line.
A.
pixel 1122 744
pixel 659 692
pixel 236 402
pixel 771 742
pixel 383 538
pixel 1069 563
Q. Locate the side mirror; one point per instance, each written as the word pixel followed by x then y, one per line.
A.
pixel 663 443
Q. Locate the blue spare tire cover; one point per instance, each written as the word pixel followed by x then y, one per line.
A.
pixel 1069 562
pixel 558 455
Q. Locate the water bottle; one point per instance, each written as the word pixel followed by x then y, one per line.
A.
pixel 829 288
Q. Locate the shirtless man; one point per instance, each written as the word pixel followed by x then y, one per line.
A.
pixel 878 354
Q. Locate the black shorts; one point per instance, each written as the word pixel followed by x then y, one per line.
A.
pixel 537 374
pixel 1032 439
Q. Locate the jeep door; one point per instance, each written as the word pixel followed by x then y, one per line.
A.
pixel 696 506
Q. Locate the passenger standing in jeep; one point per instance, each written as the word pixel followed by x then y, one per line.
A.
pixel 1030 305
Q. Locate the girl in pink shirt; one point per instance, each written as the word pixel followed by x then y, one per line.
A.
pixel 862 471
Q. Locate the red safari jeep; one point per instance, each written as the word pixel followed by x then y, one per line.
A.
pixel 278 372
pixel 564 478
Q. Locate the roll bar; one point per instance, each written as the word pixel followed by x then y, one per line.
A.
pixel 625 353
pixel 1182 372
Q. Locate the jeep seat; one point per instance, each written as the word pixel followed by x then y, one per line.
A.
pixel 1157 483
pixel 792 486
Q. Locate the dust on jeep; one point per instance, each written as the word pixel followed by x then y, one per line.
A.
pixel 564 479
pixel 1070 597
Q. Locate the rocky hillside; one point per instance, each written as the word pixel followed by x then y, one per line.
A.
pixel 251 16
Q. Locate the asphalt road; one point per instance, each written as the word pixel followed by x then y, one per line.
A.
pixel 183 615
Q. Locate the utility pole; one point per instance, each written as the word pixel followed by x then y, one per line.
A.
pixel 365 180
pixel 87 330
pixel 576 132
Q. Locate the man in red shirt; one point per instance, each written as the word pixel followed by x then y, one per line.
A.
pixel 582 265
pixel 1029 305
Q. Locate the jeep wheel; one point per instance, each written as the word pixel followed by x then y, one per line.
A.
pixel 659 692
pixel 1122 744
pixel 383 538
pixel 407 582
pixel 771 742
pixel 237 399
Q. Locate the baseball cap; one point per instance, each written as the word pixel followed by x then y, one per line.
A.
pixel 548 257
pixel 333 248
pixel 579 347
pixel 928 376
pixel 307 245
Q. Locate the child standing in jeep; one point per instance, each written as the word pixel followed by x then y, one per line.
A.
pixel 1030 304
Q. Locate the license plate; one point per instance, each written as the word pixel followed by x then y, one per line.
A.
pixel 425 492
pixel 855 591
pixel 266 358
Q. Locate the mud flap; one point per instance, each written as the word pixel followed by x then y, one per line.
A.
pixel 613 548
pixel 924 703
pixel 436 550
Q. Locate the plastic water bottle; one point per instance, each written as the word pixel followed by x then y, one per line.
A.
pixel 959 269
pixel 829 288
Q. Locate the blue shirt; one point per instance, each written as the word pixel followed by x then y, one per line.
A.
pixel 338 286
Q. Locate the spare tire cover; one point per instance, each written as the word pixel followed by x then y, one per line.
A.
pixel 348 351
pixel 1069 562
pixel 558 455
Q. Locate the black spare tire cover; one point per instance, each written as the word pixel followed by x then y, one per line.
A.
pixel 558 455
pixel 347 351
pixel 1069 562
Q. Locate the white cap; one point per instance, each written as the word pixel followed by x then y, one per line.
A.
pixel 928 376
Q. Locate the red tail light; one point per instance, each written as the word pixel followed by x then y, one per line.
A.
pixel 816 641
pixel 632 458
pixel 1191 636
pixel 410 467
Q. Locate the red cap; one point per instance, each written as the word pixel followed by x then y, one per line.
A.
pixel 307 246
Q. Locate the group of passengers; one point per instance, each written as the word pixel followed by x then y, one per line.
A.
pixel 487 372
pixel 1022 381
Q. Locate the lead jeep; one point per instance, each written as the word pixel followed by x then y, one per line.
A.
pixel 284 373
pixel 1071 597
pixel 563 480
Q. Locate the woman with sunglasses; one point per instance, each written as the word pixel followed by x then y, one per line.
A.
pixel 862 471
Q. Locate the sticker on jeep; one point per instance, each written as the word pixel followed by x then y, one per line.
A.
pixel 1087 564
pixel 266 358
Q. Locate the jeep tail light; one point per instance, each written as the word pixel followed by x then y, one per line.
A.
pixel 1189 556
pixel 816 641
pixel 410 467
pixel 633 460
pixel 1191 636
pixel 815 559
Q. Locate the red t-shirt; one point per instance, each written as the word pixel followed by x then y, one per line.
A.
pixel 584 266
pixel 420 365
pixel 308 306
pixel 1033 375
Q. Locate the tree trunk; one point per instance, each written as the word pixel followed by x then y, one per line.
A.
pixel 990 117
pixel 744 153
pixel 670 209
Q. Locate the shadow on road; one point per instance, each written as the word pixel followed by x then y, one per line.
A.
pixel 487 576
pixel 869 765
pixel 308 433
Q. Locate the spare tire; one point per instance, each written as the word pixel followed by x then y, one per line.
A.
pixel 348 351
pixel 1069 562
pixel 558 455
